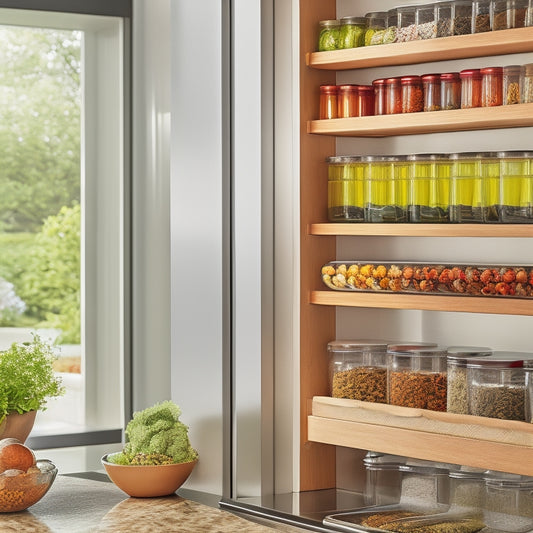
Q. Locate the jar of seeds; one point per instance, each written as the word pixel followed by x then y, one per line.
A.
pixel 426 21
pixel 467 489
pixel 462 17
pixel 444 19
pixel 406 24
pixel 481 16
pixel 511 84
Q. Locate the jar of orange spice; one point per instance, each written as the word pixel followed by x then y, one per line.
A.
pixel 412 94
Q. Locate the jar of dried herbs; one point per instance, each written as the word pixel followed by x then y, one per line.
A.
pixel 352 32
pixel 467 489
pixel 328 36
pixel 507 14
pixel 462 17
pixel 418 378
pixel 358 370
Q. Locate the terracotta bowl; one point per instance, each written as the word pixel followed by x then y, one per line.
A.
pixel 148 481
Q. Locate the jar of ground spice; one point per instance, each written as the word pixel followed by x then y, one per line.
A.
pixel 431 85
pixel 365 100
pixel 358 370
pixel 481 16
pixel 380 97
pixel 347 101
pixel 467 489
pixel 470 88
pixel 491 86
pixel 511 84
pixel 424 485
pixel 450 83
pixel 507 14
pixel 394 95
pixel 418 378
pixel 412 94
pixel 462 17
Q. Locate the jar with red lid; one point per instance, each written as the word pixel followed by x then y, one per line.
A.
pixel 412 94
pixel 394 95
pixel 450 84
pixel 470 88
pixel 365 100
pixel 328 101
pixel 431 84
pixel 491 86
pixel 347 101
pixel 380 97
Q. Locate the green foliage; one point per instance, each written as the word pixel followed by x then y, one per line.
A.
pixel 157 430
pixel 27 379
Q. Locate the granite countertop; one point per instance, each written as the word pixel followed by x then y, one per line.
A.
pixel 92 504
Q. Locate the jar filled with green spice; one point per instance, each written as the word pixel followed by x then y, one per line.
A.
pixel 376 24
pixel 467 489
pixel 328 36
pixel 516 176
pixel 352 32
pixel 345 189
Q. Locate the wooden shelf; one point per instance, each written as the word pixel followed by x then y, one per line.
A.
pixel 422 230
pixel 479 118
pixel 446 437
pixel 447 48
pixel 424 302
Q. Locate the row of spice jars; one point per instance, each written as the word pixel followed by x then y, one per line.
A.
pixel 466 187
pixel 461 380
pixel 425 21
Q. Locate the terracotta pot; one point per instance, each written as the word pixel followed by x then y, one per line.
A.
pixel 17 426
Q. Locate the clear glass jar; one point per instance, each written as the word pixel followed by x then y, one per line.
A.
pixel 462 17
pixel 491 193
pixel 507 14
pixel 528 367
pixel 345 189
pixel 394 95
pixel 358 370
pixel 467 489
pixel 450 84
pixel 380 97
pixel 470 88
pixel 429 188
pixel 511 84
pixel 412 94
pixel 466 196
pixel 352 32
pixel 347 101
pixel 426 21
pixel 328 102
pixel 365 100
pixel 406 24
pixel 481 16
pixel 491 86
pixel 418 378
pixel 529 13
pixel 376 22
pixel 383 478
pixel 526 83
pixel 516 186
pixel 328 36
pixel 431 84
pixel 457 401
pixel 444 19
pixel 391 34
pixel 424 486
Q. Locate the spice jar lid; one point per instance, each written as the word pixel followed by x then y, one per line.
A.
pixel 357 345
pixel 383 460
pixel 450 76
pixel 328 89
pixel 527 69
pixel 376 14
pixel 354 20
pixel 505 480
pixel 428 157
pixel 381 81
pixel 516 154
pixel 512 69
pixel 491 70
pixel 468 351
pixel 500 359
pixel 329 23
pixel 436 351
pixel 405 347
pixel 473 73
pixel 379 158
pixel 348 87
pixel 467 474
pixel 424 470
pixel 431 77
pixel 409 80
pixel 365 88
pixel 342 159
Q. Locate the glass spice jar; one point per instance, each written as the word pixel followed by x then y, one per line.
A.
pixel 345 189
pixel 450 83
pixel 418 378
pixel 347 101
pixel 467 489
pixel 516 187
pixel 383 478
pixel 426 21
pixel 394 95
pixel 391 33
pixel 507 14
pixel 511 84
pixel 462 17
pixel 481 16
pixel 431 85
pixel 528 368
pixel 490 190
pixel 328 36
pixel 470 88
pixel 444 19
pixel 529 13
pixel 365 100
pixel 380 97
pixel 328 102
pixel 375 21
pixel 491 86
pixel 406 24
pixel 352 32
pixel 424 484
pixel 466 196
pixel 412 94
pixel 526 83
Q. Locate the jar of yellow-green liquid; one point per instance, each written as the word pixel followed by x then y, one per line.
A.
pixel 490 176
pixel 466 197
pixel 516 187
pixel 383 192
pixel 345 189
pixel 429 190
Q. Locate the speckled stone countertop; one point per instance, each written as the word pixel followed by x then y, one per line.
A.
pixel 82 505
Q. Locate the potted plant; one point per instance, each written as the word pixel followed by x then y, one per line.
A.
pixel 27 381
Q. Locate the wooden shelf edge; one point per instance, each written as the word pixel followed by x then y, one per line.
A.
pixel 502 42
pixel 424 302
pixel 422 445
pixel 510 116
pixel 422 230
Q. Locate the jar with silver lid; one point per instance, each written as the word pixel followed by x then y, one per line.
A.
pixel 383 478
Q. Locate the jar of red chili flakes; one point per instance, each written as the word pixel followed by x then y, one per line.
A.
pixel 348 101
pixel 417 378
pixel 431 83
pixel 412 94
pixel 380 97
pixel 328 101
pixel 491 86
pixel 394 95
pixel 470 88
pixel 365 100
pixel 450 90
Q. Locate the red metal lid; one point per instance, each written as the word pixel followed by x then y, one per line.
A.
pixel 470 73
pixel 450 76
pixel 328 89
pixel 381 81
pixel 348 87
pixel 365 88
pixel 410 80
pixel 392 81
pixel 491 70
pixel 431 77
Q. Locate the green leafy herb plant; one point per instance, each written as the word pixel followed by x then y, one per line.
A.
pixel 27 378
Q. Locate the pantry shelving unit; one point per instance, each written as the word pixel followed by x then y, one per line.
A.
pixel 326 423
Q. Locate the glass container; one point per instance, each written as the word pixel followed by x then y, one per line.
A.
pixel 529 13
pixel 383 478
pixel 408 346
pixel 394 95
pixel 412 94
pixel 444 19
pixel 507 14
pixel 406 24
pixel 466 196
pixel 328 36
pixel 526 83
pixel 470 88
pixel 358 370
pixel 467 490
pixel 380 97
pixel 516 186
pixel 328 101
pixel 481 16
pixel 391 34
pixel 457 401
pixel 426 21
pixel 511 84
pixel 347 101
pixel 431 84
pixel 429 188
pixel 376 22
pixel 345 189
pixel 450 83
pixel 491 190
pixel 352 32
pixel 462 17
pixel 417 378
pixel 365 100
pixel 491 86
pixel 528 368
pixel 424 486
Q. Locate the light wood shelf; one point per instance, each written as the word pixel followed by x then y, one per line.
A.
pixel 445 437
pixel 424 302
pixel 502 42
pixel 478 118
pixel 422 230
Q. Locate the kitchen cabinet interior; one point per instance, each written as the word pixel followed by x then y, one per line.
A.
pixel 326 315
